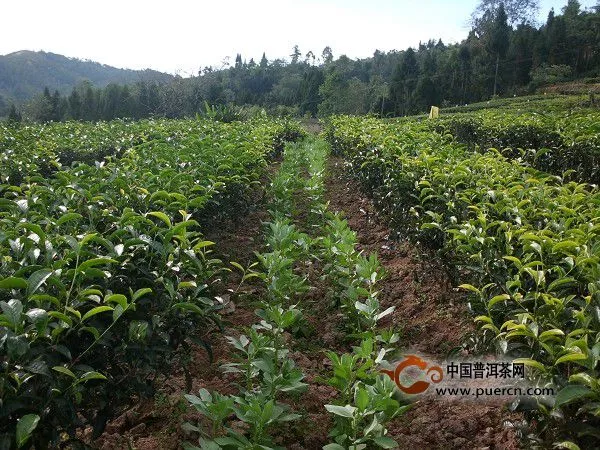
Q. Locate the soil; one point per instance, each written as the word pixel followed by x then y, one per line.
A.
pixel 431 315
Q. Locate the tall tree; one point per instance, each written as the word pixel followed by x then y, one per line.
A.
pixel 499 39
pixel 464 57
pixel 327 55
pixel 14 116
pixel 295 54
pixel 263 61
pixel 403 83
pixel 517 11
pixel 572 9
pixel 238 61
pixel 309 91
pixel 557 42
pixel 74 105
pixel 55 102
pixel 310 58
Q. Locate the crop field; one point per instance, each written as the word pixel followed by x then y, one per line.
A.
pixel 248 285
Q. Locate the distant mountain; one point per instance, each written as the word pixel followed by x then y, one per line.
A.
pixel 24 74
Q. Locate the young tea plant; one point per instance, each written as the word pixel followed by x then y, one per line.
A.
pixel 365 403
pixel 262 354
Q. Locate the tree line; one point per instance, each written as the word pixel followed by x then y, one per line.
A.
pixel 505 53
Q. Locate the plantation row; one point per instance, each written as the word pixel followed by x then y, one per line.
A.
pixel 105 277
pixel 524 243
pixel 554 103
pixel 31 150
pixel 268 381
pixel 44 149
pixel 554 142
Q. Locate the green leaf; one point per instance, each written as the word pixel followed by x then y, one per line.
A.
pixel 95 262
pixel 560 283
pixel 91 376
pixel 37 315
pixel 74 312
pixel 469 287
pixel 530 363
pixel 333 447
pixel 568 445
pixel 68 217
pixel 13 283
pixel 361 399
pixel 531 237
pixel 497 299
pixel 187 306
pixel 186 285
pixel 162 216
pixel 343 411
pixel 36 280
pixel 485 319
pixel 237 266
pixel 567 247
pixel 571 393
pixel 25 426
pixel 118 312
pixel 515 260
pixel 140 293
pixel 12 310
pixel 537 247
pixel 92 312
pixel 584 378
pixel 570 357
pixel 198 202
pixel 546 335
pixel 61 316
pixel 204 244
pixel 64 371
pixel 385 442
pixel 119 299
pixel 16 347
pixel 93 331
pixel 7 204
pixel 34 228
pixel 87 238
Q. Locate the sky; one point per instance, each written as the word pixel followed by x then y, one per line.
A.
pixel 181 36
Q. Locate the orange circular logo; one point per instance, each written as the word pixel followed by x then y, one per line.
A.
pixel 434 373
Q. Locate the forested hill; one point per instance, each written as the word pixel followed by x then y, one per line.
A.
pixel 25 74
pixel 506 53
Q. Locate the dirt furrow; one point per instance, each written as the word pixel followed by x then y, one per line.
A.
pixel 433 320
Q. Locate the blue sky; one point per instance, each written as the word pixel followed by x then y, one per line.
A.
pixel 180 36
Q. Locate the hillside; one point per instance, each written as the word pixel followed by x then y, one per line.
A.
pixel 24 74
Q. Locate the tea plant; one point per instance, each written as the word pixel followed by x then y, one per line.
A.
pixel 559 143
pixel 106 279
pixel 352 277
pixel 525 243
